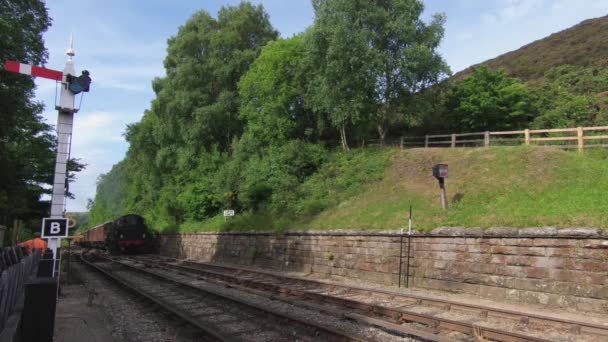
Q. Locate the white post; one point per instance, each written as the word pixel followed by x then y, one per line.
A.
pixel 65 122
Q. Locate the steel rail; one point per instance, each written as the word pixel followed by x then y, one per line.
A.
pixel 336 334
pixel 165 306
pixel 527 318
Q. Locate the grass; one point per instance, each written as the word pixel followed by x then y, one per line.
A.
pixel 502 186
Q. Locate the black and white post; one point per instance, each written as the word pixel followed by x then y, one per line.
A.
pixel 66 109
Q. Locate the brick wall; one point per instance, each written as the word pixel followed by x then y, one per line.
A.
pixel 566 267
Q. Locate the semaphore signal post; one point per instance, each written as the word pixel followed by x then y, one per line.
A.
pixel 55 227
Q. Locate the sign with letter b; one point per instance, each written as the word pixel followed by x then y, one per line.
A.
pixel 54 228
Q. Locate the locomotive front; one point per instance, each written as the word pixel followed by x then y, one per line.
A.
pixel 129 233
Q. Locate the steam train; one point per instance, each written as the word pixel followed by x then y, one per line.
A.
pixel 128 233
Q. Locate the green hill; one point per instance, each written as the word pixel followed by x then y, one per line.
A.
pixel 584 45
pixel 502 186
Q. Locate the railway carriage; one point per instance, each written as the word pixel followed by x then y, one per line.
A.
pixel 96 236
pixel 128 233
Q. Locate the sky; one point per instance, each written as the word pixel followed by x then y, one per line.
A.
pixel 122 43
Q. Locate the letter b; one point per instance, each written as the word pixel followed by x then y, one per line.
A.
pixel 55 227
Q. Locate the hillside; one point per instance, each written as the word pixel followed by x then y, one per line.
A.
pixel 585 44
pixel 516 187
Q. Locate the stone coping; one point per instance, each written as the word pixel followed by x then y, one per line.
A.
pixel 495 232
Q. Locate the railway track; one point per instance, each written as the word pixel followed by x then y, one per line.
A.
pixel 386 309
pixel 219 314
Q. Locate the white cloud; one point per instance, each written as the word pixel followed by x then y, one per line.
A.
pixel 506 25
pixel 510 11
pixel 99 128
pixel 98 142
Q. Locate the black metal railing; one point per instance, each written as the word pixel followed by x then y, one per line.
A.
pixel 17 268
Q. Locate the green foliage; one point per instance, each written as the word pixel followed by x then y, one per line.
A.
pixel 342 177
pixel 291 203
pixel 338 47
pixel 239 122
pixel 171 172
pixel 272 95
pixel 571 96
pixel 267 180
pixel 489 100
pixel 110 200
pixel 371 57
pixel 26 142
pixel 566 73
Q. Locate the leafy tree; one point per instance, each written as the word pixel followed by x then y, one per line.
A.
pixel 273 92
pixel 267 180
pixel 110 199
pixel 26 142
pixel 489 100
pixel 181 142
pixel 198 100
pixel 405 57
pixel 372 57
pixel 337 45
pixel 569 110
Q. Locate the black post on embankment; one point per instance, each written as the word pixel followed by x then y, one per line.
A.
pixel 400 257
pixel 407 268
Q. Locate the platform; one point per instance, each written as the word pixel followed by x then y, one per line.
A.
pixel 75 321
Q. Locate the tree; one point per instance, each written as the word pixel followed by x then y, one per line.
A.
pixel 26 142
pixel 110 199
pixel 489 100
pixel 198 100
pixel 372 57
pixel 405 57
pixel 183 139
pixel 337 46
pixel 272 95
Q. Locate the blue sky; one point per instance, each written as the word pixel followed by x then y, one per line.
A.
pixel 122 44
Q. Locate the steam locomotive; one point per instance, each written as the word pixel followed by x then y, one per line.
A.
pixel 128 233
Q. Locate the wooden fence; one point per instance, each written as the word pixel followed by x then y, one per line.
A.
pixel 560 137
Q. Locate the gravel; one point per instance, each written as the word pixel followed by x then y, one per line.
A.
pixel 308 315
pixel 131 319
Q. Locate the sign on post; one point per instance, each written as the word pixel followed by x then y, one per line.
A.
pixel 228 214
pixel 440 171
pixel 54 227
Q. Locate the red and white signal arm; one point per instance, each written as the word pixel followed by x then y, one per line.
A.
pixel 33 70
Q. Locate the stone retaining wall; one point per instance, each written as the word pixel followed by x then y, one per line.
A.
pixel 565 267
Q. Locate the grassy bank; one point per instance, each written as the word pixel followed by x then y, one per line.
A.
pixel 503 186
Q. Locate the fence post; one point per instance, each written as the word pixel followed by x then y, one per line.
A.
pixel 453 140
pixel 401 144
pixel 426 141
pixel 581 139
pixel 527 136
pixel 486 139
